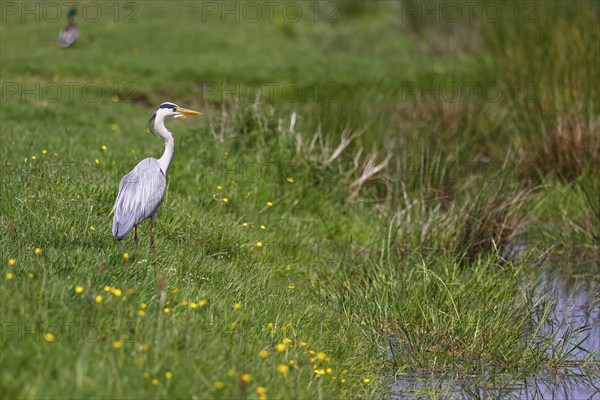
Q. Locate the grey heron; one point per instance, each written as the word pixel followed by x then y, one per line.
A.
pixel 142 190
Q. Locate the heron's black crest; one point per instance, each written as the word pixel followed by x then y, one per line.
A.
pixel 168 105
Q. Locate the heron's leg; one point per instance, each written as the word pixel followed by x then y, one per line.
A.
pixel 152 238
pixel 135 236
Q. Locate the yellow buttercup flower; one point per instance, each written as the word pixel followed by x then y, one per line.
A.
pixel 202 303
pixel 126 256
pixel 283 369
pixel 280 347
pixel 166 310
pixel 155 381
pixel 225 200
pixel 168 375
pixel 231 373
pixel 11 261
pixel 219 187
pixel 44 152
pixel 99 298
pixel 117 344
pixel 259 244
pixel 321 356
pixel 141 313
pixel 38 250
pixel 261 390
pixel 290 180
pixel 246 378
pixel 9 276
pixel 263 354
pixel 78 289
pixel 237 306
pixel 219 385
pixel 104 148
pixel 269 203
pixel 263 227
pixel 49 337
pixel 366 380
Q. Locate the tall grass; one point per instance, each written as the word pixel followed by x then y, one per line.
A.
pixel 297 238
pixel 554 109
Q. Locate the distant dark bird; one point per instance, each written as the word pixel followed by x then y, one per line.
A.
pixel 70 33
pixel 142 190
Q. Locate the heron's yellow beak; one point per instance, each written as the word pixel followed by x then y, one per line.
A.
pixel 188 112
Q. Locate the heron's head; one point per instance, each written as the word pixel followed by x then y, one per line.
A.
pixel 169 110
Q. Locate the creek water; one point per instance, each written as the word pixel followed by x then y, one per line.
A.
pixel 574 285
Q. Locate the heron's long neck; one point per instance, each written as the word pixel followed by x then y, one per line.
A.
pixel 165 161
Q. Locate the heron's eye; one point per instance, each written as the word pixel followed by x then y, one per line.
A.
pixel 174 109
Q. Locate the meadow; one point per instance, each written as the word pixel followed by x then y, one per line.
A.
pixel 345 212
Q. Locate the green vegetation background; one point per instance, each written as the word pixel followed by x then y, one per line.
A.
pixel 368 193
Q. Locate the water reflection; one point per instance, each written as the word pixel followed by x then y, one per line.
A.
pixel 494 384
pixel 578 303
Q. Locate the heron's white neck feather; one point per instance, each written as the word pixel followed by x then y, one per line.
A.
pixel 165 161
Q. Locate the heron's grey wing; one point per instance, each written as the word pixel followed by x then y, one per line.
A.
pixel 140 193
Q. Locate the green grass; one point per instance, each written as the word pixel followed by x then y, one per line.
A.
pixel 350 260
